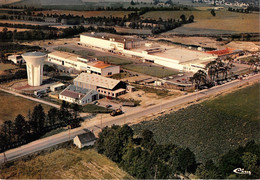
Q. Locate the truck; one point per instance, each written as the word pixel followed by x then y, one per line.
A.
pixel 116 112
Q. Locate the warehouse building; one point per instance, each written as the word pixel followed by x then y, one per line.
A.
pixel 90 65
pixel 104 86
pixel 78 95
pixel 110 42
pixel 170 56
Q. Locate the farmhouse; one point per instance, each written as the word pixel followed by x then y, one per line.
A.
pixel 90 65
pixel 79 95
pixel 105 86
pixel 83 140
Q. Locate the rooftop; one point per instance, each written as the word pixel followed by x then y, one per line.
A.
pixel 108 36
pixel 64 55
pixel 182 55
pixel 35 53
pixel 97 80
pixel 86 137
pixel 222 52
pixel 75 92
pixel 99 64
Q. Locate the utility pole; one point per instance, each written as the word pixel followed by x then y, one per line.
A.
pixel 5 158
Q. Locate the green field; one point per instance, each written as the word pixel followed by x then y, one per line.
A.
pixel 114 60
pixel 150 70
pixel 65 163
pixel 213 127
pixel 11 106
pixel 223 21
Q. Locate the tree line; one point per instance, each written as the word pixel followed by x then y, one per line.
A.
pixel 28 26
pixel 23 130
pixel 6 35
pixel 238 10
pixel 214 71
pixel 143 158
pixel 246 157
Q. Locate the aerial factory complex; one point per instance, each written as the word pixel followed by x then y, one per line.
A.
pixel 129 89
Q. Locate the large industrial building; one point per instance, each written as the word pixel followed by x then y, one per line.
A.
pixel 169 56
pixel 104 86
pixel 110 42
pixel 81 96
pixel 89 65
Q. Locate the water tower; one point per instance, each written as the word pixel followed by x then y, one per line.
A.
pixel 34 65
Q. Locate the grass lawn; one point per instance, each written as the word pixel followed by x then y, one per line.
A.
pixel 4 67
pixel 92 108
pixel 224 20
pixel 65 163
pixel 114 60
pixel 213 127
pixel 150 70
pixel 11 106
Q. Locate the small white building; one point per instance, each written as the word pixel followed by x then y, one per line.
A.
pixel 17 59
pixel 78 95
pixel 57 87
pixel 84 140
pixel 90 65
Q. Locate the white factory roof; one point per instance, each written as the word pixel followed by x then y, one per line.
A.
pixel 181 55
pixel 65 55
pixel 97 80
pixel 108 36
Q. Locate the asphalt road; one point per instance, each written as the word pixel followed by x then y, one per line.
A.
pixel 119 120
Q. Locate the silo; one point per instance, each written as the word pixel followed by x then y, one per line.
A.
pixel 34 66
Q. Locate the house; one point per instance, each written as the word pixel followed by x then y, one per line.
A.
pixel 78 95
pixel 103 85
pixel 17 59
pixel 85 139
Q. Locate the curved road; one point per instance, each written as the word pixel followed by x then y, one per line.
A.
pixel 122 119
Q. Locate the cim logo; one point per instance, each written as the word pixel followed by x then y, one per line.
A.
pixel 241 171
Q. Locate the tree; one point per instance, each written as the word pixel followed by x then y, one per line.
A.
pixel 53 116
pixel 213 13
pixel 250 161
pixel 199 77
pixel 191 18
pixel 207 171
pixel 37 121
pixel 183 18
pixel 147 142
pixel 211 67
pixel 20 127
pixel 186 160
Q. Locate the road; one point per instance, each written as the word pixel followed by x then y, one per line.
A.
pixel 30 98
pixel 119 120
